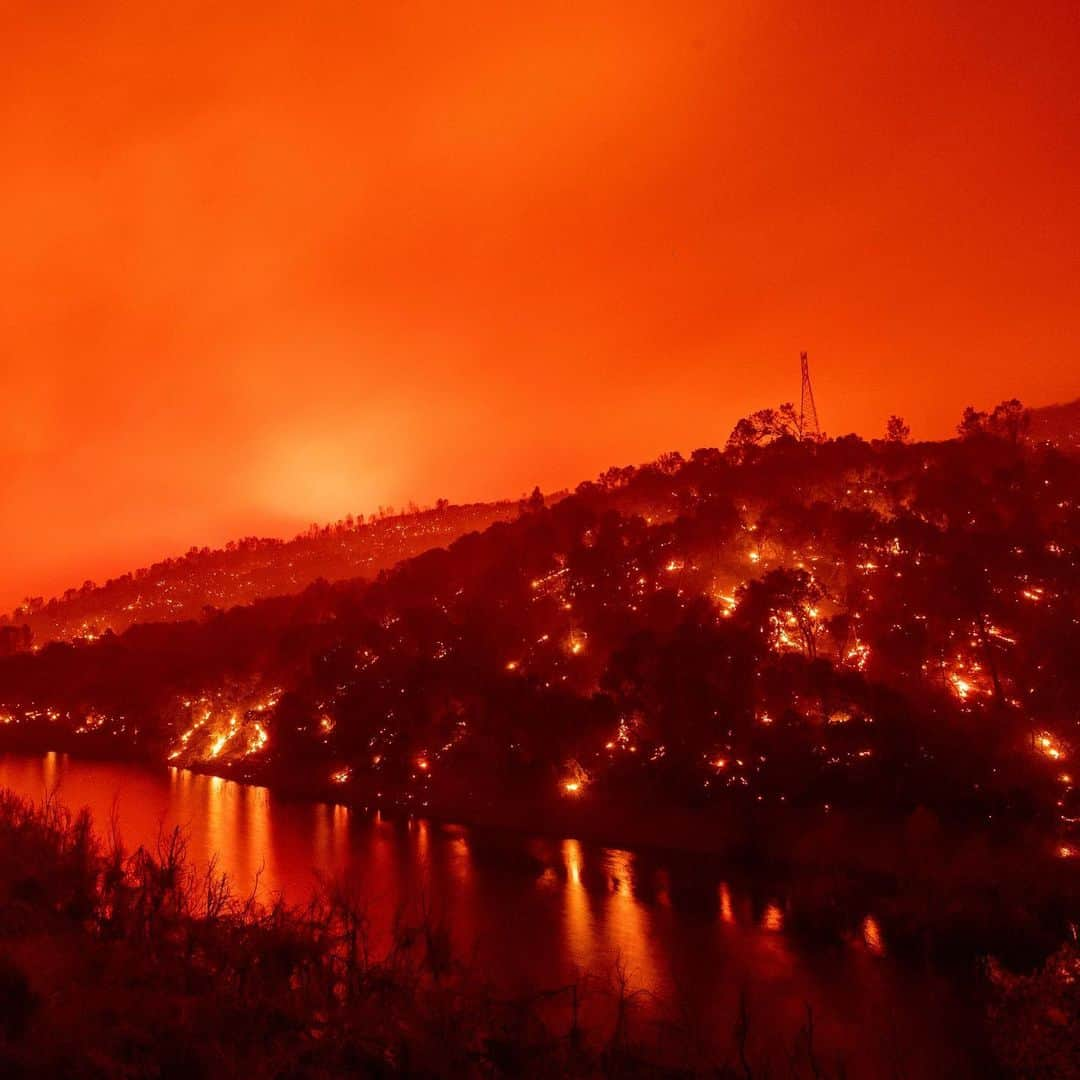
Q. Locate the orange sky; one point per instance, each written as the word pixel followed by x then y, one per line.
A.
pixel 269 263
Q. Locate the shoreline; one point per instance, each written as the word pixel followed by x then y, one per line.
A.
pixel 917 847
pixel 943 894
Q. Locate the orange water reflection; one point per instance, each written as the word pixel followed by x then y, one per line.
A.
pixel 628 924
pixel 533 913
pixel 727 913
pixel 579 929
pixel 773 918
pixel 871 934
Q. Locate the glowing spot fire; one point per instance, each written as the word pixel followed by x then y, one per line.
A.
pixel 1049 746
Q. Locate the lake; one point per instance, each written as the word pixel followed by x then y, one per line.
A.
pixel 535 912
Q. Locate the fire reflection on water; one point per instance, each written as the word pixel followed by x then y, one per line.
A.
pixel 627 923
pixel 536 911
pixel 331 834
pixel 727 913
pixel 871 934
pixel 773 918
pixel 579 930
pixel 611 909
pixel 605 922
pixel 49 771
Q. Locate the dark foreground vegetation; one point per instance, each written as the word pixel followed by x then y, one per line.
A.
pixel 129 964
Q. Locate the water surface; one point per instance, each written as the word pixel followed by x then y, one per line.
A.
pixel 534 913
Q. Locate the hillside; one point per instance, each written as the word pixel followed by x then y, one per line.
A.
pixel 1059 424
pixel 780 625
pixel 243 571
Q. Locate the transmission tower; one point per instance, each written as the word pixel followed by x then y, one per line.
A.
pixel 808 421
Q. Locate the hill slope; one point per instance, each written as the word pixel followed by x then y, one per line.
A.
pixel 246 570
pixel 795 625
pixel 1059 424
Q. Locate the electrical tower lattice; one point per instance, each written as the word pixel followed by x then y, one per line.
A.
pixel 808 421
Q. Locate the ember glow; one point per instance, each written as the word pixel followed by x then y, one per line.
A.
pixel 632 645
pixel 1049 746
pixel 224 725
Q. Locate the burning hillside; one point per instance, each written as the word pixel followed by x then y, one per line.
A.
pixel 815 624
pixel 241 572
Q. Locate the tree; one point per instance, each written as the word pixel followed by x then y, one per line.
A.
pixel 896 430
pixel 670 462
pixel 15 639
pixel 972 423
pixel 534 503
pixel 1009 420
pixel 764 426
pixel 783 598
pixel 616 477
